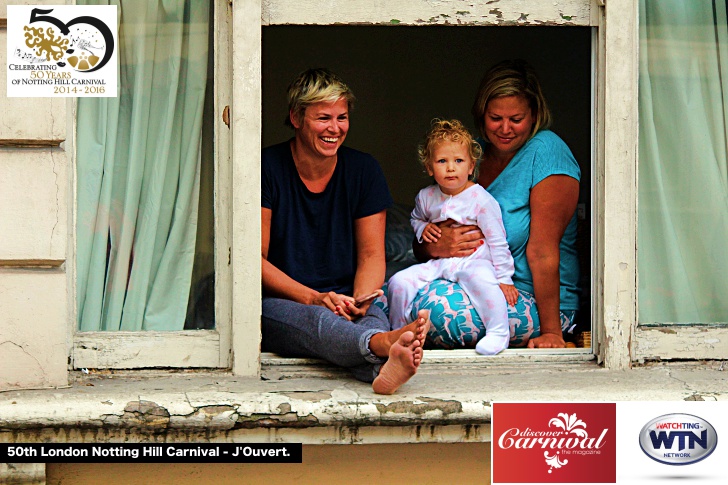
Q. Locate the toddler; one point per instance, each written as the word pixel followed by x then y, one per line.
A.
pixel 450 154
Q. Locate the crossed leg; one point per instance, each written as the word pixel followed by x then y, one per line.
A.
pixel 404 351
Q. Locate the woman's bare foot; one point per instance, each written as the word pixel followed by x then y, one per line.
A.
pixel 422 326
pixel 381 343
pixel 405 356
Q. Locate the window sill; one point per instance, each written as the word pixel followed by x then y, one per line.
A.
pixel 466 357
pixel 317 404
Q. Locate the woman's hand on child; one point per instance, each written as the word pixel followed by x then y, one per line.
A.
pixel 431 233
pixel 457 242
pixel 510 292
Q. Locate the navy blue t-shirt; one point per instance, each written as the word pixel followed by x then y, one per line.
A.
pixel 312 235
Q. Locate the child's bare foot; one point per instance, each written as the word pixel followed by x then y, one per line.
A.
pixel 405 356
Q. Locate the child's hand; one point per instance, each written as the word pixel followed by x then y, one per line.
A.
pixel 431 233
pixel 510 292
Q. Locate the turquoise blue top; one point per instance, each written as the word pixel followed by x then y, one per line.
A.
pixel 543 155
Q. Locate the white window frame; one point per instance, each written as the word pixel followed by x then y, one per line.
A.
pixel 668 340
pixel 237 227
pixel 615 247
pixel 190 348
pixel 615 112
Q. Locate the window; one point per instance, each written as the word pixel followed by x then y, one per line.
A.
pixel 145 175
pixel 237 61
pixel 683 182
pixel 238 56
pixel 405 76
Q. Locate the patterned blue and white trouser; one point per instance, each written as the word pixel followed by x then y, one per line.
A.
pixel 456 324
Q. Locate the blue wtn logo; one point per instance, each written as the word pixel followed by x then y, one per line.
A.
pixel 667 438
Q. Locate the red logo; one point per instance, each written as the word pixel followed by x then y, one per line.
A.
pixel 554 443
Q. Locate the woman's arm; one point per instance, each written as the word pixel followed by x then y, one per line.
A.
pixel 370 257
pixel 279 284
pixel 553 202
pixel 453 242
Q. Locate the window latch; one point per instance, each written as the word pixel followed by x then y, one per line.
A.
pixel 226 116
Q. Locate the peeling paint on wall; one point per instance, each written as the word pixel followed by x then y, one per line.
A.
pixel 145 414
pixel 421 408
pixel 406 12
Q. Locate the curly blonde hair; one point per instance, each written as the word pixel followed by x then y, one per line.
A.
pixel 452 131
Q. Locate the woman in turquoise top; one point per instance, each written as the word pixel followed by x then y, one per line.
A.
pixel 532 174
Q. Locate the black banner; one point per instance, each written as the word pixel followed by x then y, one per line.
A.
pixel 150 452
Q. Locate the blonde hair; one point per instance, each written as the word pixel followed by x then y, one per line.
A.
pixel 512 78
pixel 452 131
pixel 315 86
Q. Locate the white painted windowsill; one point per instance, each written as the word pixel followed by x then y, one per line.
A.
pixel 319 404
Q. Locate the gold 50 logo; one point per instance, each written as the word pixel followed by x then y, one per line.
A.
pixel 47 43
pixel 62 51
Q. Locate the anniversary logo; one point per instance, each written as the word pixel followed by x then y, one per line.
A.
pixel 62 51
pixel 554 443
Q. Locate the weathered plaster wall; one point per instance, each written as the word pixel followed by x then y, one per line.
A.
pixel 32 355
pixel 20 124
pixel 33 191
pixel 33 235
pixel 23 473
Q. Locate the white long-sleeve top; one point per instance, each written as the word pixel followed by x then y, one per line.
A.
pixel 472 206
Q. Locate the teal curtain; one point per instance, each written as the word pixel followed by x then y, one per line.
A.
pixel 683 169
pixel 138 171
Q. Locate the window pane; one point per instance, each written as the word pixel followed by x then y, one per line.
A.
pixel 683 169
pixel 141 159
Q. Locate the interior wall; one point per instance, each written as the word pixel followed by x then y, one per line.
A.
pixel 405 76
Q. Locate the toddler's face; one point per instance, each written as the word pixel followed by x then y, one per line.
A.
pixel 451 165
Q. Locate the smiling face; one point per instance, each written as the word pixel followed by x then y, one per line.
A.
pixel 452 166
pixel 508 123
pixel 323 127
